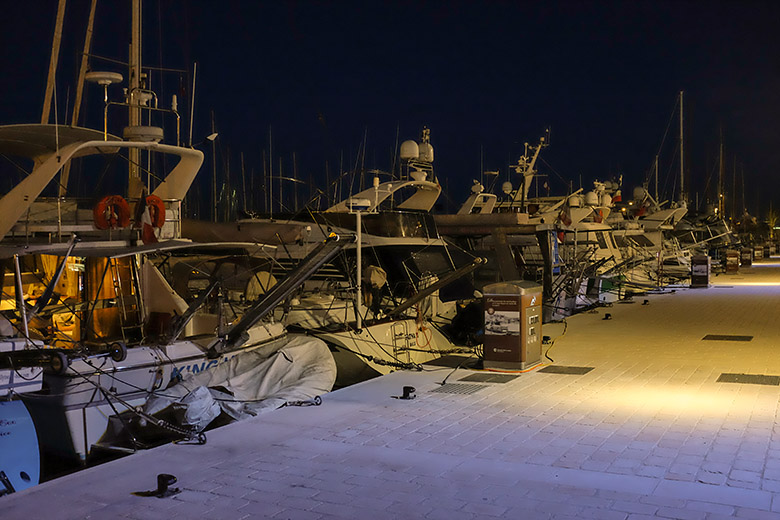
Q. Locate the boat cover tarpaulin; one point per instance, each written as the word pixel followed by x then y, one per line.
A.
pixel 251 383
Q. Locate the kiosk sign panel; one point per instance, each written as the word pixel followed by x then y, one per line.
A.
pixel 513 321
pixel 502 327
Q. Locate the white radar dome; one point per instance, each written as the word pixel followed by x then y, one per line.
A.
pixel 409 150
pixel 639 193
pixel 426 152
pixel 591 199
pixel 507 187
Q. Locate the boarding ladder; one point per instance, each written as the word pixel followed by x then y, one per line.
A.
pixel 130 320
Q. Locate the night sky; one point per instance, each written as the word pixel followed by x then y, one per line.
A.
pixel 485 77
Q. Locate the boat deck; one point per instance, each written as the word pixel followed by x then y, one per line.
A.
pixel 648 431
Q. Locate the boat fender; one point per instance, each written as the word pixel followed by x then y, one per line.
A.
pixel 156 210
pixel 118 351
pixel 111 212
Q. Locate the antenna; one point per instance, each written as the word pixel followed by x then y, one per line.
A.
pixel 192 100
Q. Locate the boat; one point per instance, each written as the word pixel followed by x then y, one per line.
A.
pixel 387 302
pixel 91 326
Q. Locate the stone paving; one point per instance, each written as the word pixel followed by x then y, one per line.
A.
pixel 648 433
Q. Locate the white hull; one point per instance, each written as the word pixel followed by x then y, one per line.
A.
pixel 73 412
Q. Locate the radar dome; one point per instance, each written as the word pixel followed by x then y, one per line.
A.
pixel 409 150
pixel 426 152
pixel 507 187
pixel 639 193
pixel 591 199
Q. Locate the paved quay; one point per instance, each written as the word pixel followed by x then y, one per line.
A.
pixel 649 432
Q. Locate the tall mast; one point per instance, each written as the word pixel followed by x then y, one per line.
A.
pixel 55 54
pixel 682 154
pixel 79 89
pixel 656 178
pixel 721 204
pixel 134 98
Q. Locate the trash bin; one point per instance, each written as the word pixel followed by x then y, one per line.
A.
pixel 766 251
pixel 732 261
pixel 700 271
pixel 746 257
pixel 513 325
pixel 758 252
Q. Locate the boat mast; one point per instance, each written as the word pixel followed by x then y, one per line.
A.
pixel 656 178
pixel 65 175
pixel 721 204
pixel 682 155
pixel 55 55
pixel 134 97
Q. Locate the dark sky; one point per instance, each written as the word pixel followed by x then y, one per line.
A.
pixel 485 77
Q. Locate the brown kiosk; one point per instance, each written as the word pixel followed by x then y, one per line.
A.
pixel 513 325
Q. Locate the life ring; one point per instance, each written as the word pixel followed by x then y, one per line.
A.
pixel 112 212
pixel 156 210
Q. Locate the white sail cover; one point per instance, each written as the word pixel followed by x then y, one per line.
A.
pixel 300 370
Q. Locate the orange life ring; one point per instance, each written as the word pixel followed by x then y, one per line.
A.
pixel 111 212
pixel 156 210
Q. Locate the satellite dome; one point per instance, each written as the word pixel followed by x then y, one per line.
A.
pixel 103 78
pixel 507 187
pixel 426 152
pixel 409 150
pixel 639 193
pixel 591 199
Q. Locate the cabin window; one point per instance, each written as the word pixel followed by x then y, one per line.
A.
pixel 601 239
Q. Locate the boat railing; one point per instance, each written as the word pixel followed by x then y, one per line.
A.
pixel 57 218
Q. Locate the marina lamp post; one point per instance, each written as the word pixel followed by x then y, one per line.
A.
pixel 357 207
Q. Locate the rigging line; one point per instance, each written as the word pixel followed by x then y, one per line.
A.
pixel 565 182
pixel 378 361
pixel 15 165
pixel 98 370
pixel 71 308
pixel 666 132
pixel 136 410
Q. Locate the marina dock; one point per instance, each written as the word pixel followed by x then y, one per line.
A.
pixel 664 406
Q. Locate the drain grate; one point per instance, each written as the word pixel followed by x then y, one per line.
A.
pixel 749 379
pixel 488 378
pixel 560 369
pixel 454 388
pixel 726 337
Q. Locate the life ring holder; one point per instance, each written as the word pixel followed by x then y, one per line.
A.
pixel 112 212
pixel 156 210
